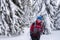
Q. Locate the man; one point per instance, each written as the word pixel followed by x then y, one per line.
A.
pixel 36 29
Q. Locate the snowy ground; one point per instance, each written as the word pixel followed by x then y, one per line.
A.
pixel 54 36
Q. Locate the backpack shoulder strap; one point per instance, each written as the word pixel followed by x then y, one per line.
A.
pixel 34 24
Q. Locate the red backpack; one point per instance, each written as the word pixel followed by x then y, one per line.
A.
pixel 38 27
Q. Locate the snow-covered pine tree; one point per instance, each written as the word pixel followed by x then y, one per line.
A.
pixel 57 17
pixel 48 9
pixel 15 16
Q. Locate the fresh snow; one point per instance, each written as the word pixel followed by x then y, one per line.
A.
pixel 55 35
